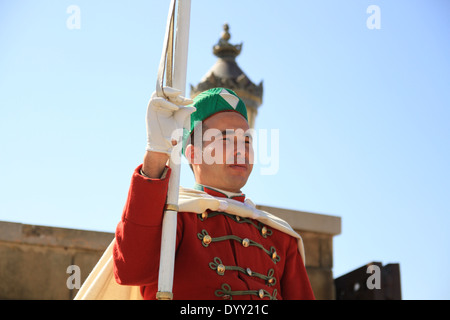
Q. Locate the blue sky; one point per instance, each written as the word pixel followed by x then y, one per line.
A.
pixel 363 116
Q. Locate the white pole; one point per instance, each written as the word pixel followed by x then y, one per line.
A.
pixel 169 228
pixel 181 45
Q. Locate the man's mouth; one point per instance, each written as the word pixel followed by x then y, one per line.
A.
pixel 242 167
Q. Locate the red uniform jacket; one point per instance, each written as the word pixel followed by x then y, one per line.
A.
pixel 218 255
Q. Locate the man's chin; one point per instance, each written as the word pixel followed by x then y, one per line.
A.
pixel 236 182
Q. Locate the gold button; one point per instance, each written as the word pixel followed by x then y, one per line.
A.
pixel 264 231
pixel 204 215
pixel 270 280
pixel 238 218
pixel 261 293
pixel 249 271
pixel 245 242
pixel 274 255
pixel 207 239
pixel 221 269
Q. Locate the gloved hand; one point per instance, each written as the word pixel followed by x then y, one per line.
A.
pixel 165 120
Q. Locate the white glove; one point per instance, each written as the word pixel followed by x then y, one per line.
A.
pixel 165 120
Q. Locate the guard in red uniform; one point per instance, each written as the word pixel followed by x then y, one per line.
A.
pixel 219 255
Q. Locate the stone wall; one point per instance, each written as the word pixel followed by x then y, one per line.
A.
pixel 34 259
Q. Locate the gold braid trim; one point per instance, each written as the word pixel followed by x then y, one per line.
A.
pixel 207 240
pixel 220 269
pixel 226 293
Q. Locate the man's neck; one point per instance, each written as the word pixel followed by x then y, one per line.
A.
pixel 229 194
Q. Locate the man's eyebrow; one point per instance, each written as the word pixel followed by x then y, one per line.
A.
pixel 227 131
pixel 222 133
pixel 232 131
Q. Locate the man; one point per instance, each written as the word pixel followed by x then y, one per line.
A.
pixel 218 255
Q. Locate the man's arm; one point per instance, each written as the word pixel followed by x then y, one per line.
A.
pixel 154 164
pixel 138 234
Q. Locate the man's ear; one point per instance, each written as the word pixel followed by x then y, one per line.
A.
pixel 189 153
pixel 193 155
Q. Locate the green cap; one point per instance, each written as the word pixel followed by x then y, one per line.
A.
pixel 210 102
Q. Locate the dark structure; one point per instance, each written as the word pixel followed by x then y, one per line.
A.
pixel 370 282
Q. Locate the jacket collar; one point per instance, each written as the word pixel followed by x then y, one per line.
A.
pixel 220 193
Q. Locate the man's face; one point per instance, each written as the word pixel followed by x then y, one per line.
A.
pixel 227 154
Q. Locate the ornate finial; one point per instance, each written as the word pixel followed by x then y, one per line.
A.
pixel 225 34
pixel 226 73
pixel 224 48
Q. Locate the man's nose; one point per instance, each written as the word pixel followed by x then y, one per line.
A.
pixel 239 147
